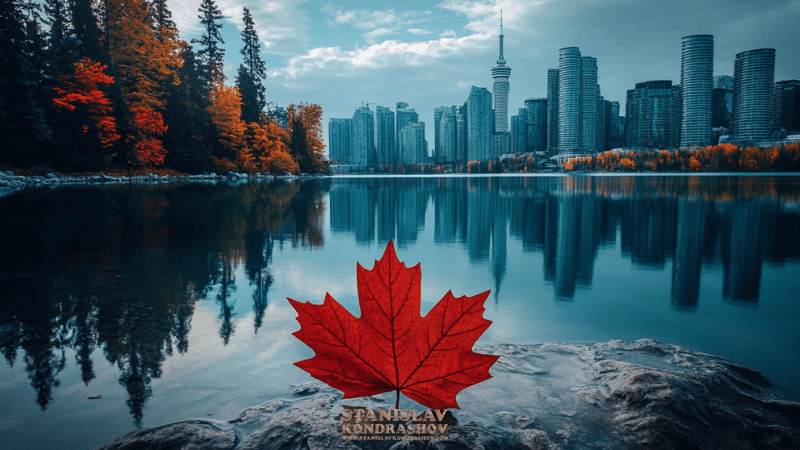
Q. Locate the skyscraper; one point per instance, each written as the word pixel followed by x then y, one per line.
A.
pixel 590 92
pixel 339 139
pixel 384 136
pixel 536 124
pixel 569 99
pixel 722 101
pixel 404 116
pixel 437 117
pixel 447 137
pixel 753 86
pixel 552 109
pixel 697 68
pixel 479 124
pixel 653 113
pixel 519 130
pixel 413 148
pixel 786 101
pixel 363 137
pixel 500 73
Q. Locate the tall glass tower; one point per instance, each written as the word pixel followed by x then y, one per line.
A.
pixel 569 99
pixel 500 73
pixel 697 70
pixel 753 85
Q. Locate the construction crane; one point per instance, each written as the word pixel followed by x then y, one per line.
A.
pixel 367 103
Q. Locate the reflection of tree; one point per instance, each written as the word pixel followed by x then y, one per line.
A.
pixel 121 268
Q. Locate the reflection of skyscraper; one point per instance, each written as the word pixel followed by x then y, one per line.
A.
pixel 500 73
pixel 697 69
pixel 687 263
pixel 753 87
pixel 479 219
pixel 743 244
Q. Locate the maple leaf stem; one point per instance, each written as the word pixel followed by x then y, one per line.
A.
pixel 397 400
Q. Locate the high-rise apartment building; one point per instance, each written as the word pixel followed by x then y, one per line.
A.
pixel 519 131
pixel 403 116
pixel 569 99
pixel 500 73
pixel 591 136
pixel 536 125
pixel 697 69
pixel 653 112
pixel 579 124
pixel 786 106
pixel 384 136
pixel 753 88
pixel 462 119
pixel 362 146
pixel 339 139
pixel 447 137
pixel 552 109
pixel 479 125
pixel 413 147
pixel 437 117
pixel 722 102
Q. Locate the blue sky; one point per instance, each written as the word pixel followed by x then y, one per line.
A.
pixel 342 53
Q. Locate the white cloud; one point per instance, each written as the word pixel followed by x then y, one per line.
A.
pixel 372 36
pixel 375 56
pixel 369 20
pixel 448 33
pixel 419 31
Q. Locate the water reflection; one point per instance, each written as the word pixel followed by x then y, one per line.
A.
pixel 118 271
pixel 115 273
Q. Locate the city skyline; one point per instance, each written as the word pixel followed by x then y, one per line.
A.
pixel 429 56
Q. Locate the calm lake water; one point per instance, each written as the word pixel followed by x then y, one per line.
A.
pixel 169 301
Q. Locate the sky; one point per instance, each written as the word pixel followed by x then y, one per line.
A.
pixel 345 54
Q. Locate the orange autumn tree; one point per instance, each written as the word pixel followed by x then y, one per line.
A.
pixel 82 88
pixel 269 148
pixel 309 155
pixel 226 114
pixel 146 58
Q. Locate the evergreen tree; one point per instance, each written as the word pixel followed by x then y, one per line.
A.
pixel 190 134
pixel 308 148
pixel 21 118
pixel 211 54
pixel 251 72
pixel 88 34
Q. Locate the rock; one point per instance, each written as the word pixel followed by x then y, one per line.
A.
pixel 51 175
pixel 94 397
pixel 191 435
pixel 612 395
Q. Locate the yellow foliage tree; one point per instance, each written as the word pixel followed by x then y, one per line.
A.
pixel 226 114
pixel 269 148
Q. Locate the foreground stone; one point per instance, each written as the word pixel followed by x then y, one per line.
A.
pixel 612 395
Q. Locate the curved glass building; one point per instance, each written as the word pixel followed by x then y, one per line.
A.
pixel 697 70
pixel 753 86
pixel 569 99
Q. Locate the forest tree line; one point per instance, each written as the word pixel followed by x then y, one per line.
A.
pixel 108 85
pixel 713 158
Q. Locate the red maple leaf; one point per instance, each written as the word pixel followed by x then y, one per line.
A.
pixel 391 347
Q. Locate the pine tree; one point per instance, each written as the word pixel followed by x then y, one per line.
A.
pixel 88 34
pixel 211 54
pixel 251 72
pixel 21 117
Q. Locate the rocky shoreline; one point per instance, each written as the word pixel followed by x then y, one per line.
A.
pixel 611 395
pixel 10 183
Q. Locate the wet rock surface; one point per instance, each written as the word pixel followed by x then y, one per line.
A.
pixel 612 395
